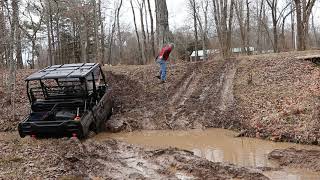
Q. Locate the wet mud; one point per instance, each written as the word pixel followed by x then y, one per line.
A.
pixel 218 145
pixel 107 159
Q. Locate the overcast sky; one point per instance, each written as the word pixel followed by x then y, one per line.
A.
pixel 177 13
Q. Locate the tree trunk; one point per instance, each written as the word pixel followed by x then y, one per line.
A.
pixel 147 23
pixel 274 8
pixel 14 25
pixel 52 33
pixel 162 23
pixel 195 28
pixel 205 31
pixel 259 33
pixel 275 37
pixel 33 44
pixel 17 33
pixel 229 32
pixel 239 13
pixel 248 28
pixel 317 42
pixel 137 34
pixel 293 34
pixel 113 28
pixel 152 30
pixel 102 61
pixel 48 11
pixel 223 22
pixel 59 55
pixel 96 28
pixel 83 42
pixel 2 35
pixel 157 22
pixel 119 32
pixel 303 10
pixel 144 45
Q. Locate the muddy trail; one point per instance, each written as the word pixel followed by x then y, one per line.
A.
pixel 194 95
pixel 273 97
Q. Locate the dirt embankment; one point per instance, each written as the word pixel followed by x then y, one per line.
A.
pixel 274 96
pixel 196 95
pixel 279 96
pixel 307 159
pixel 110 159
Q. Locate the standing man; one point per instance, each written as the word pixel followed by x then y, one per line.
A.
pixel 162 59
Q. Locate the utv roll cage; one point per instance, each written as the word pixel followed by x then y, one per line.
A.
pixel 60 94
pixel 70 82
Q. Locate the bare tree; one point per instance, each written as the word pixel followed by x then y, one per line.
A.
pixel 273 4
pixel 152 29
pixel 259 24
pixel 13 45
pixel 119 31
pixel 201 22
pixel 303 10
pixel 195 17
pixel 137 33
pixel 17 33
pixel 223 15
pixel 242 22
pixel 102 34
pixel 248 27
pixel 293 36
pixel 163 32
pixel 3 35
pixel 282 35
pixel 111 39
pixel 32 27
pixel 47 8
pixel 144 45
pixel 317 41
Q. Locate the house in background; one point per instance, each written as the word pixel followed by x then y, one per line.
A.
pixel 243 51
pixel 204 56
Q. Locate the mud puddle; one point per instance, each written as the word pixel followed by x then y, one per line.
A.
pixel 219 145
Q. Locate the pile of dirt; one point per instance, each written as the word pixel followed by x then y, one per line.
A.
pixel 307 159
pixel 72 159
pixel 11 115
pixel 274 96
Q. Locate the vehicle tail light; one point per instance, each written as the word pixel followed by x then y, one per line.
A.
pixel 77 118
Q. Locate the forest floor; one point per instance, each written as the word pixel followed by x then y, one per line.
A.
pixel 272 96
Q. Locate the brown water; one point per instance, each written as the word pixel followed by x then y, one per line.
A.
pixel 219 145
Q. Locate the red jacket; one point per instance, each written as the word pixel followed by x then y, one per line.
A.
pixel 165 52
